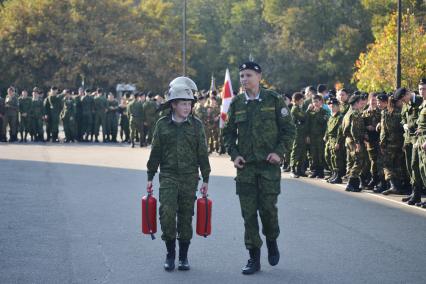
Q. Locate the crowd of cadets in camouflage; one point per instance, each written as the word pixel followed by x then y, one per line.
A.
pixel 374 141
pixel 84 115
pixel 362 138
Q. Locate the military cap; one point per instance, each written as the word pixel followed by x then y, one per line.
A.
pixel 332 93
pixel 422 81
pixel 36 90
pixel 54 88
pixel 321 88
pixel 354 99
pixel 333 101
pixel 87 90
pixel 383 97
pixel 250 65
pixel 399 94
pixel 141 94
pixel 364 96
pixel 99 90
pixel 136 94
pixel 357 93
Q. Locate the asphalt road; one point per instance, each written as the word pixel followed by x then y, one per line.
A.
pixel 71 214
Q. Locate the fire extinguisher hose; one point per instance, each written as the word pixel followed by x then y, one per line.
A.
pixel 207 215
pixel 147 217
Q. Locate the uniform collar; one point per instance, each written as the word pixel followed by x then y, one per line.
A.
pixel 257 98
pixel 172 119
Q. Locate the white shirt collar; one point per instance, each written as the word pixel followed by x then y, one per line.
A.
pixel 250 99
pixel 173 118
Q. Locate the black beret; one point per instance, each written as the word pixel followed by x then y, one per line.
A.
pixel 250 65
pixel 383 97
pixel 87 90
pixel 399 94
pixel 357 93
pixel 332 93
pixel 364 96
pixel 422 81
pixel 333 101
pixel 36 90
pixel 354 99
pixel 321 88
pixel 136 95
pixel 54 88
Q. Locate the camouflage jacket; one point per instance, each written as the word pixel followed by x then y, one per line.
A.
pixel 256 128
pixel 179 148
pixel 391 130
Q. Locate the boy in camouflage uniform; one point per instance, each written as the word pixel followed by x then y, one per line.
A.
pixel 24 115
pixel 334 141
pixel 179 147
pixel 298 153
pixel 257 133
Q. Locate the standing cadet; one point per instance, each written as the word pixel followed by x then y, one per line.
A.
pixel 212 126
pixel 2 118
pixel 392 141
pixel 100 106
pixel 409 116
pixel 54 106
pixel 179 147
pixel 86 111
pixel 257 133
pixel 111 119
pixel 371 118
pixel 135 112
pixel 421 136
pixel 79 115
pixel 68 116
pixel 353 131
pixel 36 115
pixel 149 111
pixel 24 118
pixel 298 153
pixel 334 141
pixel 11 114
pixel 124 121
pixel 317 124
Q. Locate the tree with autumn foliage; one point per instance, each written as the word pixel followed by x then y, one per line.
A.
pixel 376 68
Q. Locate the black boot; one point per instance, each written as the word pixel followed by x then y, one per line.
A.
pixel 373 182
pixel 133 143
pixel 394 187
pixel 352 185
pixel 273 253
pixel 356 184
pixel 25 137
pixel 333 176
pixel 314 174
pixel 169 264
pixel 183 256
pixel 253 264
pixel 337 179
pixel 416 196
pixel 294 172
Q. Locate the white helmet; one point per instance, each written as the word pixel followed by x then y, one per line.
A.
pixel 185 81
pixel 180 92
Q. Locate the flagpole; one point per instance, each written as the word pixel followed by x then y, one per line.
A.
pixel 184 39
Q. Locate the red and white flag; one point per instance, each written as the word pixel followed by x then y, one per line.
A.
pixel 226 95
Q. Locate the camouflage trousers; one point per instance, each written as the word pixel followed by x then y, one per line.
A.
pixel 356 160
pixel 393 157
pixel 258 187
pixel 177 198
pixel 37 127
pixel 317 153
pixel 100 120
pixel 421 154
pixel 373 150
pixel 331 154
pixel 24 123
pixel 212 133
pixel 136 128
pixel 298 153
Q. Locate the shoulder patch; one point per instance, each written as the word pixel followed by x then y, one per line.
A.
pixel 284 112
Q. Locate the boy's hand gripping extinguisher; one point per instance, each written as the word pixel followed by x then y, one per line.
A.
pixel 204 216
pixel 149 214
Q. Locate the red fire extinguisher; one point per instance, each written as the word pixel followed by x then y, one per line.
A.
pixel 149 215
pixel 204 216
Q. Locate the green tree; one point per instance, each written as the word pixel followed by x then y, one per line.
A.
pixel 376 68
